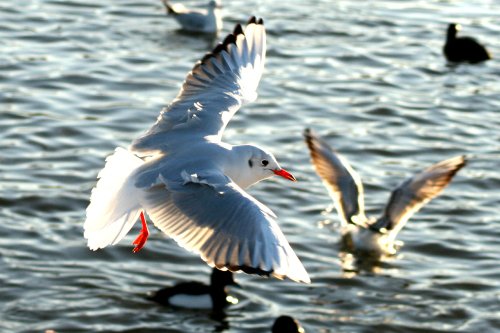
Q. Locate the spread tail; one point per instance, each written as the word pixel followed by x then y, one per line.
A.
pixel 114 206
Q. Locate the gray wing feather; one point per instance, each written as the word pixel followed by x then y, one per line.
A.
pixel 225 225
pixel 212 93
pixel 415 192
pixel 343 183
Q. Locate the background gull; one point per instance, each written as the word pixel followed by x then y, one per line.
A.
pixel 207 20
pixel 376 236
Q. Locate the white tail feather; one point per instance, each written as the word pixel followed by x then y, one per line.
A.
pixel 114 205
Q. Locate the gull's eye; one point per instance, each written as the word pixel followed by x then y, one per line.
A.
pixel 264 162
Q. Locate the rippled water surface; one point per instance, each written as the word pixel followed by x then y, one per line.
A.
pixel 78 78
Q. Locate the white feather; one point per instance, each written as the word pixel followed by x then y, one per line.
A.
pixel 113 207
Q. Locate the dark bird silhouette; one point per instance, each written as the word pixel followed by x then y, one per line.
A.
pixel 463 49
pixel 196 295
pixel 286 324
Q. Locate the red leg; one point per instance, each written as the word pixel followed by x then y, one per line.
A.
pixel 140 241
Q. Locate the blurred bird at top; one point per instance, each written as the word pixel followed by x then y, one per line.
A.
pixel 463 49
pixel 207 20
pixel 376 237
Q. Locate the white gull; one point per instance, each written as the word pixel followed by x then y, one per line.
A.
pixel 189 182
pixel 207 20
pixel 376 236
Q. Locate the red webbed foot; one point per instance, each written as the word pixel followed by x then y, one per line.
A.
pixel 140 241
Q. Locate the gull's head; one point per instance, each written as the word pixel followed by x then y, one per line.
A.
pixel 453 28
pixel 215 4
pixel 253 164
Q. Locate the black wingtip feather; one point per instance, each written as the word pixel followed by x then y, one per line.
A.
pixel 255 271
pixel 230 39
pixel 219 48
pixel 460 166
pixel 308 136
pixel 251 20
pixel 205 58
pixel 254 20
pixel 238 30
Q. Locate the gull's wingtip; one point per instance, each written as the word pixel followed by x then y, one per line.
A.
pixel 251 20
pixel 299 274
pixel 465 160
pixel 311 140
pixel 230 39
pixel 255 20
pixel 238 30
pixel 308 133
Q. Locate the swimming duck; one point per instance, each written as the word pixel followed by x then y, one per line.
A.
pixel 196 295
pixel 376 236
pixel 463 49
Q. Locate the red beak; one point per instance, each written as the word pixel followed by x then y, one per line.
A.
pixel 285 174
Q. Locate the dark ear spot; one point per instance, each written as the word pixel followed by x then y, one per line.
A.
pixel 250 163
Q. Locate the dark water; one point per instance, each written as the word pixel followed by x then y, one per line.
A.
pixel 78 78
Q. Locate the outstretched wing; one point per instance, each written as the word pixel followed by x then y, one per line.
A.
pixel 213 91
pixel 210 215
pixel 342 182
pixel 415 192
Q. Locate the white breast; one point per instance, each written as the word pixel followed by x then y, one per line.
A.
pixel 191 301
pixel 375 243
